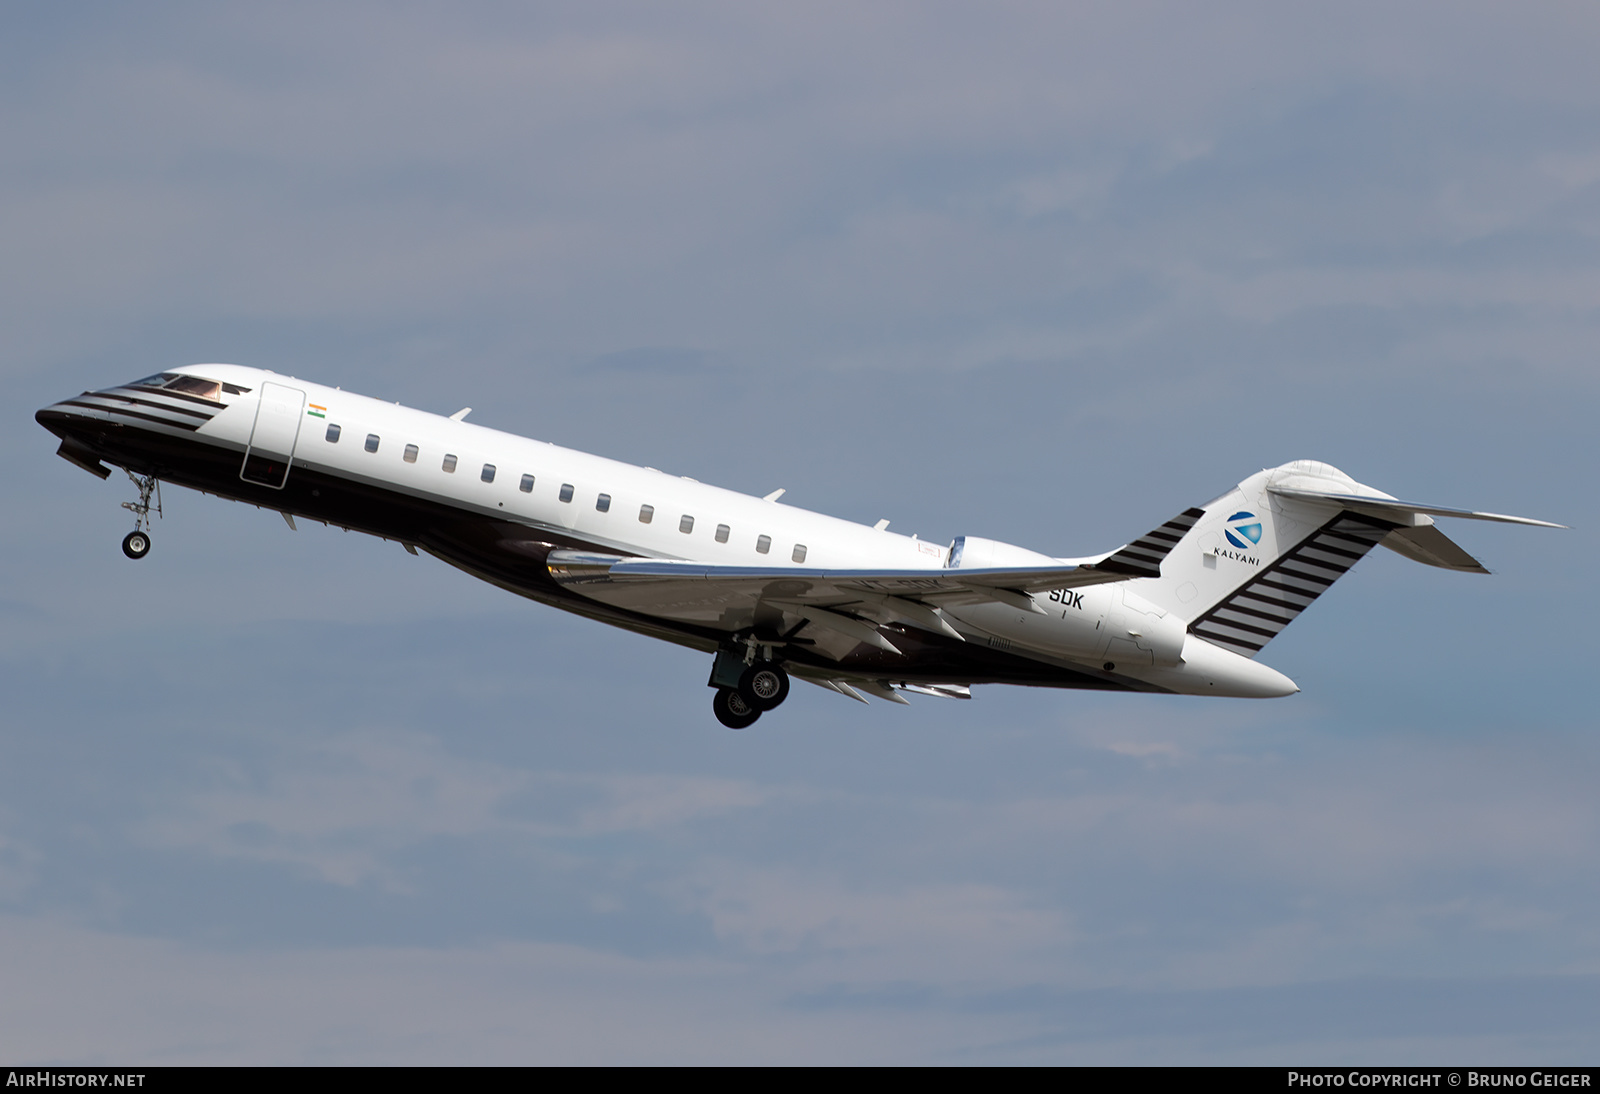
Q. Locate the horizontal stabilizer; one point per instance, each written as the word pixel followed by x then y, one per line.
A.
pixel 1431 547
pixel 1394 509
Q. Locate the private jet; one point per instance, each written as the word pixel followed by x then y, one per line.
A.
pixel 770 591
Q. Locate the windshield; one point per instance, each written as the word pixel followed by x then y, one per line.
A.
pixel 193 385
pixel 190 385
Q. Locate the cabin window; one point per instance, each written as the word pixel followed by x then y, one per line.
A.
pixel 410 454
pixel 566 491
pixel 647 513
pixel 449 464
pixel 722 533
pixel 526 485
pixel 799 552
pixel 763 544
pixel 333 433
pixel 686 524
pixel 488 473
pixel 603 503
pixel 372 442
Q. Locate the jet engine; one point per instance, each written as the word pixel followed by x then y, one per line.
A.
pixel 1097 624
pixel 977 553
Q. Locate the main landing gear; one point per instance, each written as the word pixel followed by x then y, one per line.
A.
pixel 731 709
pixel 745 690
pixel 764 685
pixel 136 544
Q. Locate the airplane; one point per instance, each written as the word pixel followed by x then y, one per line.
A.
pixel 771 591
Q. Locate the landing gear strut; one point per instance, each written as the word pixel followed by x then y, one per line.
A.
pixel 136 544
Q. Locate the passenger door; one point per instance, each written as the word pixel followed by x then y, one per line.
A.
pixel 272 440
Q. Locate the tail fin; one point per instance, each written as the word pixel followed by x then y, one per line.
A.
pixel 1256 611
pixel 1144 556
pixel 1264 551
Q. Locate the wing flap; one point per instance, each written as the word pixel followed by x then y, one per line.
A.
pixel 605 576
pixel 917 583
pixel 838 686
pixel 892 690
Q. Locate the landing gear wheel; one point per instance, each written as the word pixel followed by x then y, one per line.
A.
pixel 764 685
pixel 135 544
pixel 731 709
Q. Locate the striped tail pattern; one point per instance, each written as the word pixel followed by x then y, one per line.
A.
pixel 1258 610
pixel 1143 557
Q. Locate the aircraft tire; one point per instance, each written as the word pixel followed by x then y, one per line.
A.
pixel 764 685
pixel 135 544
pixel 731 709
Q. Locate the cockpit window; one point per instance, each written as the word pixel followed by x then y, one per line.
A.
pixel 190 385
pixel 193 385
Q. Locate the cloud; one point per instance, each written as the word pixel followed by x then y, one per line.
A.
pixel 349 807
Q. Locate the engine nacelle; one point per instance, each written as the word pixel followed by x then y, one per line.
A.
pixel 977 553
pixel 1095 624
pixel 1138 632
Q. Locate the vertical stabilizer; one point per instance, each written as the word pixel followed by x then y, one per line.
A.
pixel 1256 559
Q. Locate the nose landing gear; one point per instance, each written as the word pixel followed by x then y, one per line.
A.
pixel 136 544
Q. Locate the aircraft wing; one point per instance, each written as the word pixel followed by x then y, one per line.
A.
pixel 833 610
pixel 654 585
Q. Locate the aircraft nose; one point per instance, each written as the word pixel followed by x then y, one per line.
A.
pixel 77 431
pixel 57 417
pixel 77 410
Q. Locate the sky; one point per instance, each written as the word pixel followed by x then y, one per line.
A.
pixel 1046 273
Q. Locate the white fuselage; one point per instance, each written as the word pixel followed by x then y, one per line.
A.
pixel 646 512
pixel 473 472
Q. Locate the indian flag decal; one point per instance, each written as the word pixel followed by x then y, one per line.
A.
pixel 316 411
